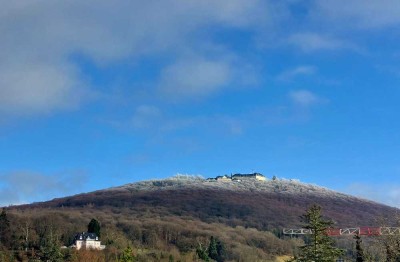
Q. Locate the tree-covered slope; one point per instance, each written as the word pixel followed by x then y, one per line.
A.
pixel 260 204
pixel 177 216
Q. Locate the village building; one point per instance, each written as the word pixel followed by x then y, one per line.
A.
pixel 88 241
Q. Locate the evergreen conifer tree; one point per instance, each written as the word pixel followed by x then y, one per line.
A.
pixel 212 248
pixel 50 247
pixel 216 249
pixel 94 227
pixel 321 247
pixel 127 255
pixel 359 249
pixel 5 231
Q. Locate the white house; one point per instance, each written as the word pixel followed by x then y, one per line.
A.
pixel 88 241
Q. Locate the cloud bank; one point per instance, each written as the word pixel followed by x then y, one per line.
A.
pixel 39 72
pixel 41 40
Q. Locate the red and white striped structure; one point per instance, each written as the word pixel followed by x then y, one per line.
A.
pixel 362 231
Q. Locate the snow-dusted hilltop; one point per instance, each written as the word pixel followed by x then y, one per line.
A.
pixel 250 184
pixel 249 202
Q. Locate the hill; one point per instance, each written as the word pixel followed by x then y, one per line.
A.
pixel 260 204
pixel 182 212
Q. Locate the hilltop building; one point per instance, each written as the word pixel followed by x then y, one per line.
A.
pixel 88 241
pixel 224 178
pixel 256 176
pixel 239 177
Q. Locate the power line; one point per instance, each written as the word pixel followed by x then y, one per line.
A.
pixel 362 231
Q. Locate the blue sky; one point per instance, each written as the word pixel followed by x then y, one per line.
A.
pixel 95 94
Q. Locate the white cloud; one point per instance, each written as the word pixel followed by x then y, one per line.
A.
pixel 359 13
pixel 39 88
pixel 295 72
pixel 305 98
pixel 195 77
pixel 39 39
pixel 310 42
pixel 25 186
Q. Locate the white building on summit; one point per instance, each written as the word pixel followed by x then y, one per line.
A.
pixel 239 177
pixel 88 241
pixel 256 176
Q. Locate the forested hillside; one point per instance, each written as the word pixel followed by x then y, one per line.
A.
pixel 264 205
pixel 170 220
